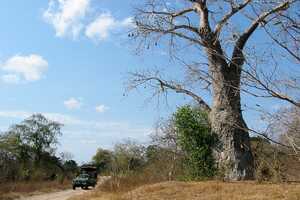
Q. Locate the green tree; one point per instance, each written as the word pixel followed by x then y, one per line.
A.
pixel 196 140
pixel 30 146
pixel 38 133
pixel 102 159
pixel 71 166
pixel 12 142
pixel 152 152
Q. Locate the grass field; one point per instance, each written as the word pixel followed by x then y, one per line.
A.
pixel 210 190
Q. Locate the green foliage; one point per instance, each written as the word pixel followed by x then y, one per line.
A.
pixel 196 140
pixel 181 149
pixel 102 160
pixel 38 133
pixel 27 150
pixel 71 166
pixel 152 152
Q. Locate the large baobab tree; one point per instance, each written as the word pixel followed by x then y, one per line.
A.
pixel 217 33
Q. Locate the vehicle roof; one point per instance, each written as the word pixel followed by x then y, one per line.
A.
pixel 88 166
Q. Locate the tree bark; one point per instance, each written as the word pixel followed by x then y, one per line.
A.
pixel 234 157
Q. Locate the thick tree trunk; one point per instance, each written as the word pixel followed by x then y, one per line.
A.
pixel 234 155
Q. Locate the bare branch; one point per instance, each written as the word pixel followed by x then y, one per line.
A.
pixel 172 31
pixel 140 79
pixel 237 55
pixel 162 22
pixel 183 26
pixel 205 29
pixel 225 18
pixel 171 14
pixel 288 35
pixel 297 57
pixel 266 86
pixel 269 138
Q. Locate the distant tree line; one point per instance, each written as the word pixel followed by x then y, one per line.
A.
pixel 183 148
pixel 28 152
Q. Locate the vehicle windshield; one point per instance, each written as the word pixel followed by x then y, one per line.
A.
pixel 83 176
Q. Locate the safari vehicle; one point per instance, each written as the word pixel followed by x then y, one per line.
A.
pixel 84 181
pixel 86 178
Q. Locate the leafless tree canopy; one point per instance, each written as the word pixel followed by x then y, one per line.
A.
pixel 285 123
pixel 271 60
pixel 227 47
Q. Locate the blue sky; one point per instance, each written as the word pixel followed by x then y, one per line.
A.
pixel 52 64
pixel 69 59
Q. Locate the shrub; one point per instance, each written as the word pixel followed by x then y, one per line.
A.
pixel 197 142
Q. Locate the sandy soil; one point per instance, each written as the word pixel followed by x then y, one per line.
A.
pixel 62 195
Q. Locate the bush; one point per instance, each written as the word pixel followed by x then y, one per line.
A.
pixel 197 142
pixel 103 160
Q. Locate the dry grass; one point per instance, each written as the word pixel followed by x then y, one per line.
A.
pixel 10 191
pixel 127 183
pixel 210 190
pixel 215 191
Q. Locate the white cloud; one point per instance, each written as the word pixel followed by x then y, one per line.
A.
pixel 73 103
pixel 66 16
pixel 101 108
pixel 61 118
pixel 29 68
pixel 104 25
pixel 128 22
pixel 89 127
pixel 77 132
pixel 70 17
pixel 10 78
pixel 15 114
pixel 100 27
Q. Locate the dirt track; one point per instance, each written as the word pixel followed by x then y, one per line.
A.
pixel 62 195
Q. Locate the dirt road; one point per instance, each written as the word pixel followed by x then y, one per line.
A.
pixel 62 195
